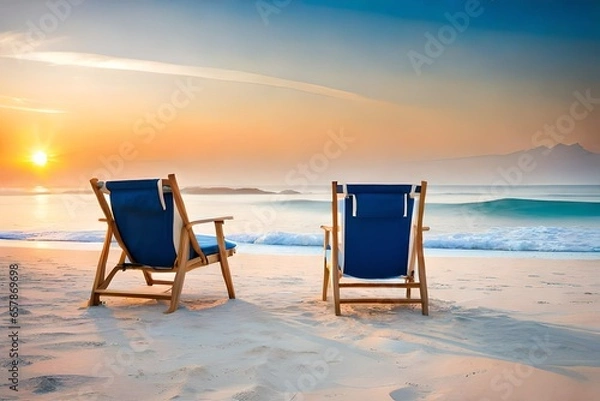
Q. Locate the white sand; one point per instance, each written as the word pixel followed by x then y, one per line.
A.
pixel 499 329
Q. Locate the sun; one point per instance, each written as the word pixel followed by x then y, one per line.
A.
pixel 39 158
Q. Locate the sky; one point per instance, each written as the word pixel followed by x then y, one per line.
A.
pixel 288 92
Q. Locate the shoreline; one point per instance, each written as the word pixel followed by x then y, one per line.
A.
pixel 257 249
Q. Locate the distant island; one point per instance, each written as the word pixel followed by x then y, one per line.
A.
pixel 233 191
pixel 188 190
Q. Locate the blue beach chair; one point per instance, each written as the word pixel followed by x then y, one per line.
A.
pixel 149 222
pixel 375 241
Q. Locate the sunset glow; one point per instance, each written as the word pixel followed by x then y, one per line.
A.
pixel 225 93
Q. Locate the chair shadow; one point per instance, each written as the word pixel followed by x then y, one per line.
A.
pixel 492 333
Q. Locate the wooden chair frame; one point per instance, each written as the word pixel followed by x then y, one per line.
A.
pixel 181 266
pixel 334 275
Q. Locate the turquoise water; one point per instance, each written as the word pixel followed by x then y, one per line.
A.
pixel 527 220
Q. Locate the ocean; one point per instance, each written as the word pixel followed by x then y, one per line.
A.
pixel 556 221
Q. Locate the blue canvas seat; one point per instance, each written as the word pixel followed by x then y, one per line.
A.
pixel 376 235
pixel 148 220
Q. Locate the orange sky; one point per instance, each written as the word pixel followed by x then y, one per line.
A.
pixel 236 102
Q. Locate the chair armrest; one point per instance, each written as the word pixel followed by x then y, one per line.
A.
pixel 326 236
pixel 211 220
pixel 426 228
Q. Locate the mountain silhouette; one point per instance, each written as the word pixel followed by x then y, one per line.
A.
pixel 561 164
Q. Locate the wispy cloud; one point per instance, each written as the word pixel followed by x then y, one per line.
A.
pixel 26 105
pixel 218 74
pixel 12 42
pixel 16 43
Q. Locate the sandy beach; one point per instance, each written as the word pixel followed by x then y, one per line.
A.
pixel 499 329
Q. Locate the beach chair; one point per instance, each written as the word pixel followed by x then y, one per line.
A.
pixel 149 222
pixel 375 241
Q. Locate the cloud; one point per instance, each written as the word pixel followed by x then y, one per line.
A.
pixel 15 43
pixel 12 42
pixel 26 105
pixel 218 74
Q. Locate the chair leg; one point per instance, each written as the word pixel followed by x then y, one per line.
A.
pixel 176 288
pixel 148 277
pixel 223 260
pixel 423 284
pixel 325 280
pixel 104 284
pixel 180 270
pixel 335 277
pixel 101 269
pixel 424 296
pixel 227 276
pixel 326 241
pixel 408 280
